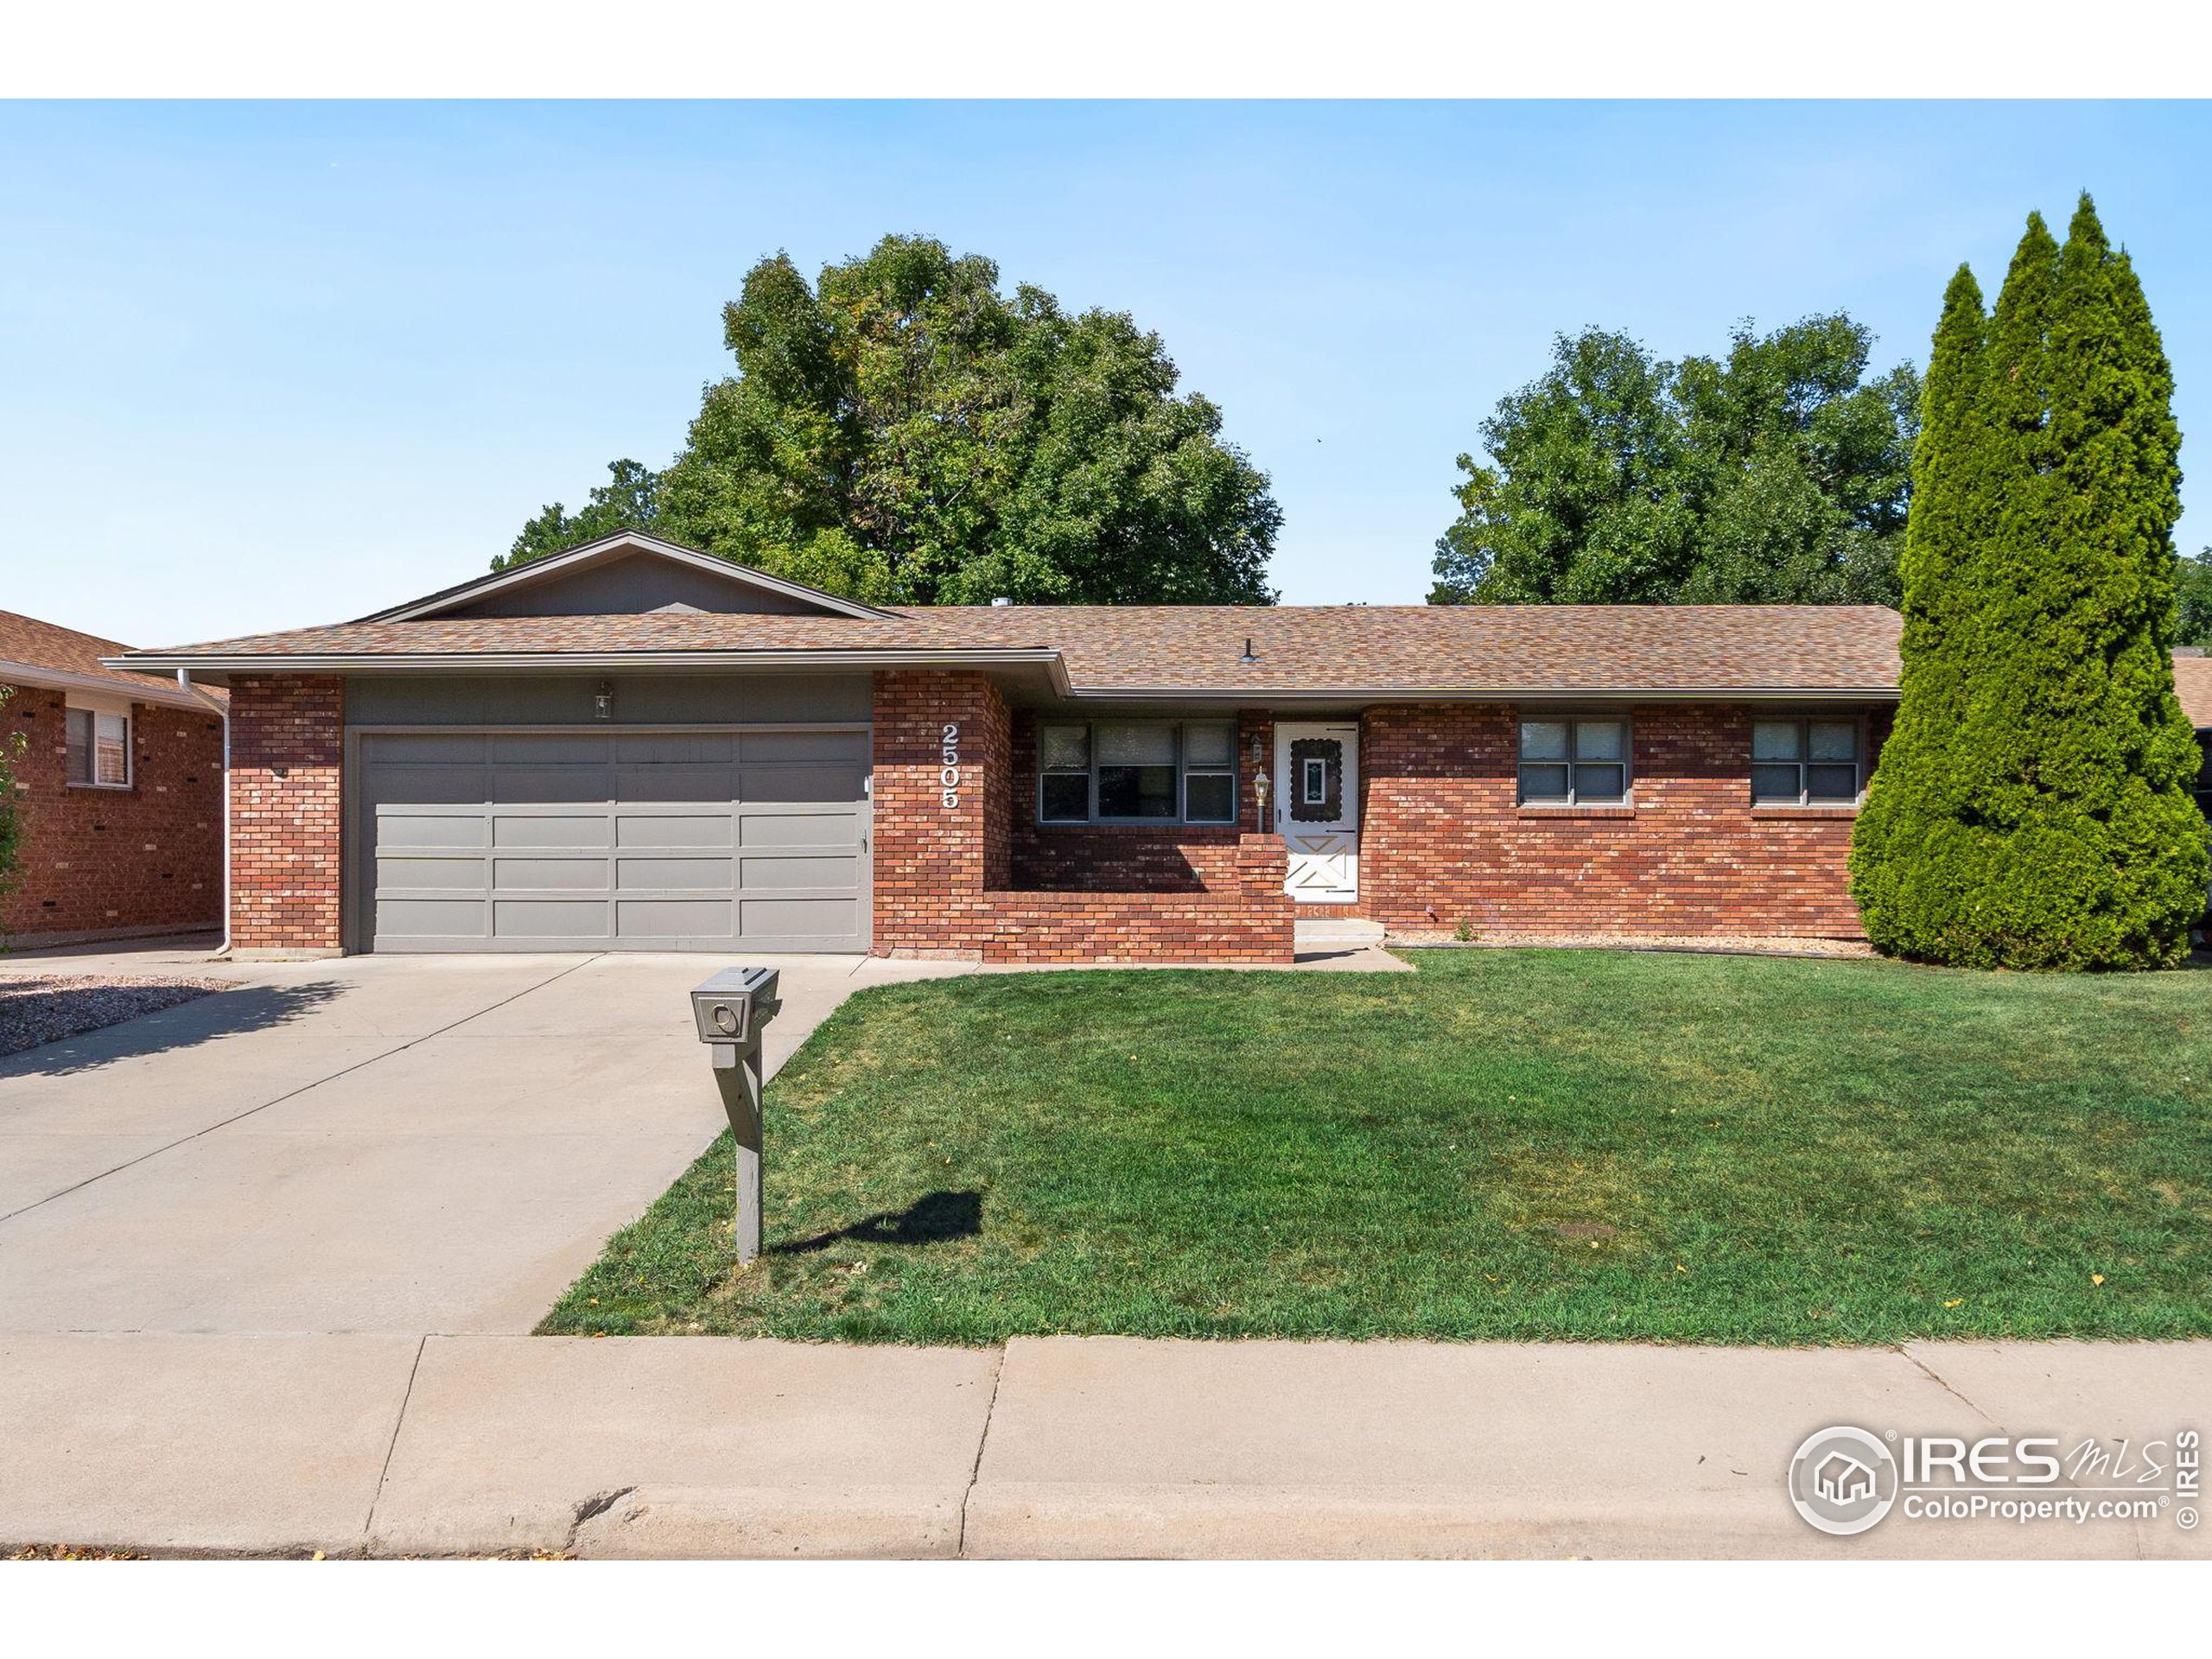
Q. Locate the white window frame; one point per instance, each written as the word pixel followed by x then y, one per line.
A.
pixel 1804 762
pixel 1571 718
pixel 98 709
pixel 1184 771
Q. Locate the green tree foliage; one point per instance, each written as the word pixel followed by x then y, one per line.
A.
pixel 2193 601
pixel 11 818
pixel 1779 473
pixel 2031 809
pixel 628 500
pixel 902 431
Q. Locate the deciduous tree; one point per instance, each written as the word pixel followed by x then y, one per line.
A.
pixel 901 430
pixel 1777 473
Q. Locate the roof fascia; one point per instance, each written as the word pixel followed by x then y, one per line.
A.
pixel 1291 697
pixel 228 663
pixel 62 679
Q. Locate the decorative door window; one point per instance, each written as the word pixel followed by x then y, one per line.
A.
pixel 1317 768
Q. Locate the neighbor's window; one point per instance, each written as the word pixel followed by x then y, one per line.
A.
pixel 1805 762
pixel 1137 771
pixel 1573 762
pixel 98 748
pixel 2204 771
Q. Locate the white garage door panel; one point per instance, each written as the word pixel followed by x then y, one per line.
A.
pixel 642 841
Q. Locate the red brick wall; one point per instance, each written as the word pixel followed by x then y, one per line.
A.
pixel 145 860
pixel 946 877
pixel 288 743
pixel 928 853
pixel 1443 842
pixel 1244 918
pixel 1131 858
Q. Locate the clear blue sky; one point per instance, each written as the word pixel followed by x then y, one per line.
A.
pixel 265 366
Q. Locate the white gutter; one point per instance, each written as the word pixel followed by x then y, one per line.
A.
pixel 184 684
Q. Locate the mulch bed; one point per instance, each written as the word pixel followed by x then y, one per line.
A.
pixel 1498 938
pixel 45 1008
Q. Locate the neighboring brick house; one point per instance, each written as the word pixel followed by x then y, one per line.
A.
pixel 2193 685
pixel 119 784
pixel 634 746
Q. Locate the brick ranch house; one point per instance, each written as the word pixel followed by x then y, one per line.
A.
pixel 634 746
pixel 119 785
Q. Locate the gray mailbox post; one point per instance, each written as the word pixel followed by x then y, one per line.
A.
pixel 730 1010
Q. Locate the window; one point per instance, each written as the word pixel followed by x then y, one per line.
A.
pixel 1210 771
pixel 1805 762
pixel 2204 772
pixel 1137 771
pixel 1573 762
pixel 1064 774
pixel 98 748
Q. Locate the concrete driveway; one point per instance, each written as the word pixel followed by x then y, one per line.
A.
pixel 386 1144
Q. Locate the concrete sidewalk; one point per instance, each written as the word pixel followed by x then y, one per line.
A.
pixel 1056 1447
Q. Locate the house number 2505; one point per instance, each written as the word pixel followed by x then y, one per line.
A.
pixel 949 779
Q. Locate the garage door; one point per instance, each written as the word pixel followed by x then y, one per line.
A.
pixel 613 840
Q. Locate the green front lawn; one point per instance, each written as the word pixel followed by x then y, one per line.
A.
pixel 1507 1144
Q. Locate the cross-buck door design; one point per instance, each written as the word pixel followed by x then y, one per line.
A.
pixel 1317 811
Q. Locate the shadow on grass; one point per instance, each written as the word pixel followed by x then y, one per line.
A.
pixel 184 1025
pixel 933 1218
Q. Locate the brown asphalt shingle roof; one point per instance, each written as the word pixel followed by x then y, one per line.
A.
pixel 49 645
pixel 2193 683
pixel 1307 649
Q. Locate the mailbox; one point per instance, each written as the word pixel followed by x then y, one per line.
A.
pixel 735 1004
pixel 730 1010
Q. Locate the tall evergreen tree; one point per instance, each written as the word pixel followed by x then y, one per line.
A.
pixel 2031 808
pixel 1915 791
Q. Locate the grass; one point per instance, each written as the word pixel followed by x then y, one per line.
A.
pixel 1579 1145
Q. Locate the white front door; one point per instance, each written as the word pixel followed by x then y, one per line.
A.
pixel 1317 809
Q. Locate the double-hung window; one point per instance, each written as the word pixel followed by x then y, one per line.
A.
pixel 1573 762
pixel 97 748
pixel 1137 771
pixel 1806 762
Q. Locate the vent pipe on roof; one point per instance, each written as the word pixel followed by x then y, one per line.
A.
pixel 1247 657
pixel 1000 599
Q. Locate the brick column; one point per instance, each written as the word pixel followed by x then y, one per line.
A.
pixel 943 826
pixel 287 744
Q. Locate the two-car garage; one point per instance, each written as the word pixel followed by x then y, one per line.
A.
pixel 678 838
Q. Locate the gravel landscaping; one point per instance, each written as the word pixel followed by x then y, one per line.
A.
pixel 45 1008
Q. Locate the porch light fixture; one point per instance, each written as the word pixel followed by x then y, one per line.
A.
pixel 602 700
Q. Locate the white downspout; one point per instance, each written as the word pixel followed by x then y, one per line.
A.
pixel 184 683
